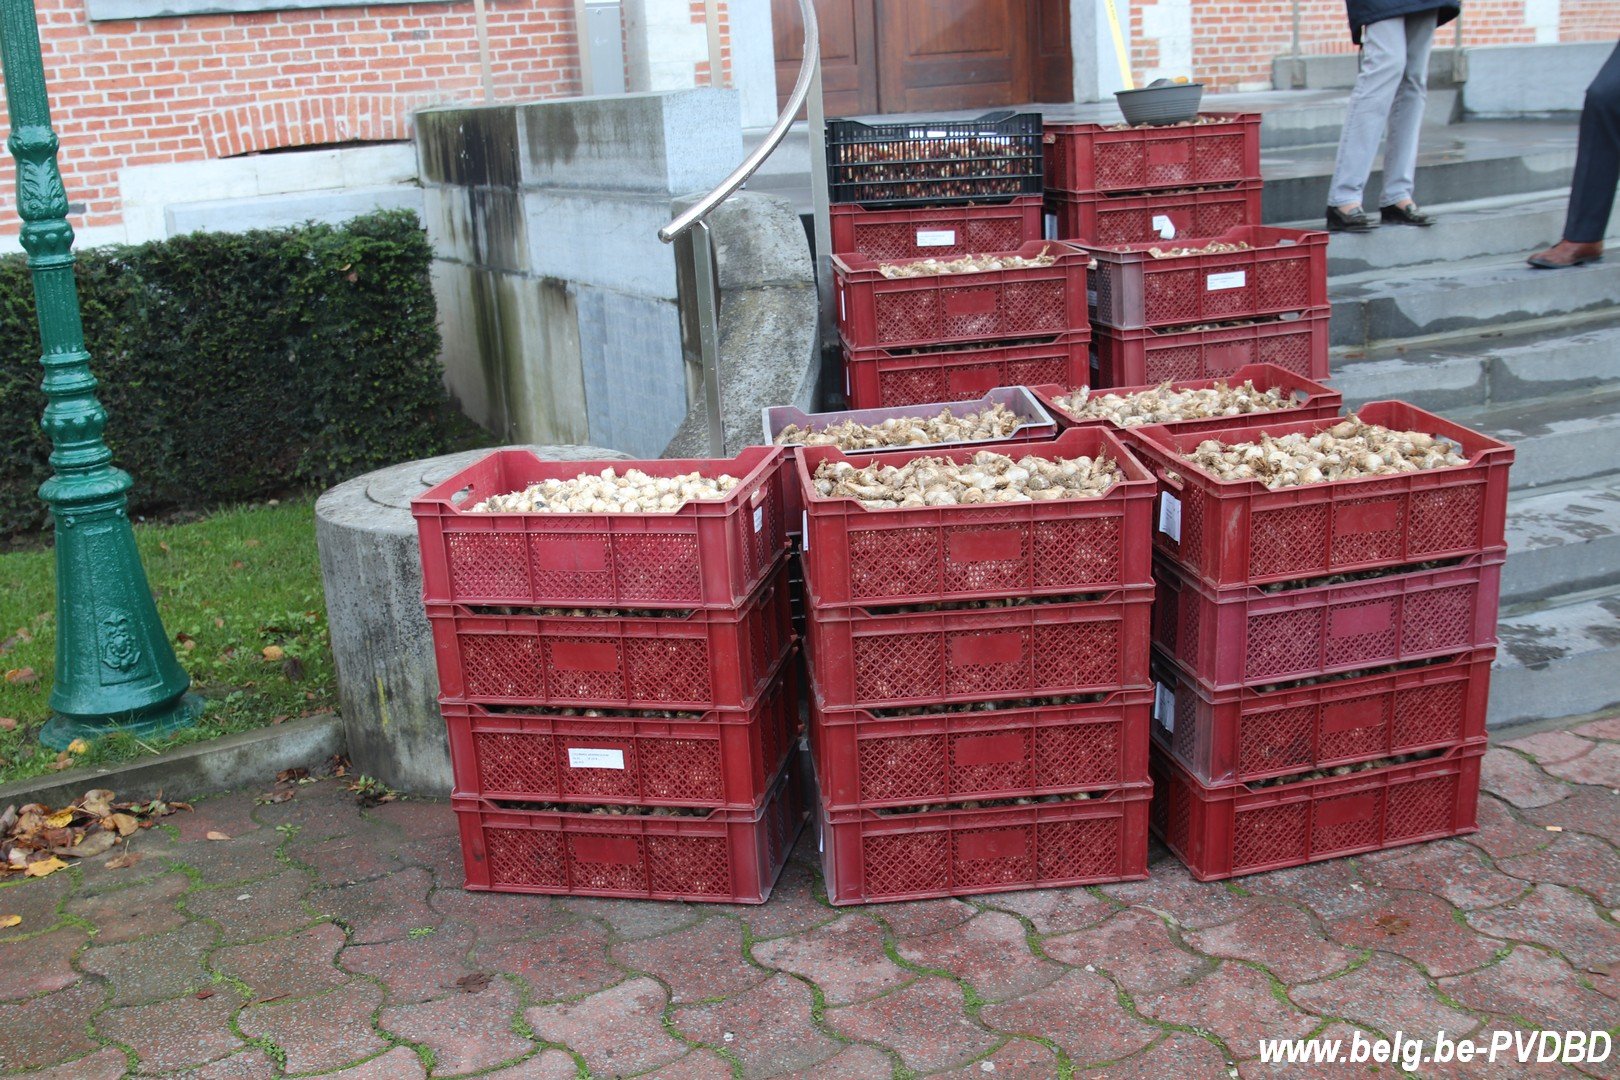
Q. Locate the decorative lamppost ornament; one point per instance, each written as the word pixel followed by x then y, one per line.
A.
pixel 115 668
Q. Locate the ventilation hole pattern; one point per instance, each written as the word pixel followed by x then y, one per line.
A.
pixel 907 316
pixel 1290 351
pixel 1077 656
pixel 689 865
pixel 1359 743
pixel 666 669
pixel 1077 756
pixel 589 876
pixel 1189 721
pixel 979 778
pixel 902 767
pixel 658 566
pixel 1368 546
pixel 1376 644
pixel 1441 619
pixel 1195 509
pixel 552 549
pixel 988 575
pixel 1171 296
pixel 1282 284
pixel 502 666
pixel 1422 808
pixel 526 857
pixel 1015 868
pixel 1283 643
pixel 567 684
pixel 896 864
pixel 913 386
pixel 487 565
pixel 1424 715
pixel 1446 519
pixel 1037 372
pixel 1077 552
pixel 1118 166
pixel 1078 850
pixel 1283 541
pixel 893 666
pixel 999 677
pixel 1276 740
pixel 680 769
pixel 1219 159
pixel 1173 362
pixel 1269 835
pixel 515 763
pixel 1358 832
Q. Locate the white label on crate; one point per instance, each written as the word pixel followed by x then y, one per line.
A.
pixel 1164 707
pixel 843 315
pixel 583 758
pixel 936 237
pixel 1050 232
pixel 1170 516
pixel 804 530
pixel 937 135
pixel 1091 298
pixel 759 517
pixel 1164 227
pixel 1232 279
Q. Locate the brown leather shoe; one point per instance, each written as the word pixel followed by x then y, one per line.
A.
pixel 1566 253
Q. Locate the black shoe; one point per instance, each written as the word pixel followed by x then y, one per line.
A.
pixel 1339 221
pixel 1405 215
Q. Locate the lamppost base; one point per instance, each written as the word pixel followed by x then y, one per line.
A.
pixel 60 730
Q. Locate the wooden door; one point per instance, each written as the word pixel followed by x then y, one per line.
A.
pixel 1053 55
pixel 953 54
pixel 849 61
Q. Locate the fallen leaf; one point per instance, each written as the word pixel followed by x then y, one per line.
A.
pixel 7 921
pixel 44 867
pixel 22 676
pixel 204 994
pixel 163 545
pixel 124 861
pixel 291 776
pixel 274 652
pixel 1393 925
pixel 274 797
pixel 124 823
pixel 213 834
pixel 266 1000
pixel 279 719
pixel 219 624
pixel 60 762
pixel 238 564
pixel 8 723
pixel 475 983
pixel 78 746
pixel 1555 828
pixel 93 844
pixel 1608 971
pixel 60 820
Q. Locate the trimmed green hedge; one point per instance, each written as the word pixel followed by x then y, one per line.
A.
pixel 235 366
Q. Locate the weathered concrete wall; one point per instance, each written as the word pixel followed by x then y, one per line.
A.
pixel 556 298
pixel 1516 80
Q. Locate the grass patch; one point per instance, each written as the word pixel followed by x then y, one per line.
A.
pixel 228 587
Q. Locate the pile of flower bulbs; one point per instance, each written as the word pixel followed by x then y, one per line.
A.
pixel 1218 247
pixel 1344 770
pixel 967 264
pixel 1348 450
pixel 607 492
pixel 996 422
pixel 1197 121
pixel 987 477
pixel 1163 404
pixel 987 804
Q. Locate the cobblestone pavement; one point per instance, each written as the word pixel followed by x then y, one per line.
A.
pixel 323 939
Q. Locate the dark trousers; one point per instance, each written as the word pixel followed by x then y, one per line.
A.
pixel 1597 163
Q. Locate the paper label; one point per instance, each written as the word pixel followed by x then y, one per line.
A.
pixel 804 530
pixel 1170 516
pixel 1091 298
pixel 584 758
pixel 1050 232
pixel 1164 707
pixel 759 517
pixel 936 237
pixel 1232 279
pixel 843 313
pixel 1164 227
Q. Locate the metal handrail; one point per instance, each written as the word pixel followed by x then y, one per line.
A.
pixel 750 164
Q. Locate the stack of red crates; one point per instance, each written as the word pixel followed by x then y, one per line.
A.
pixel 973 668
pixel 1302 632
pixel 620 689
pixel 940 190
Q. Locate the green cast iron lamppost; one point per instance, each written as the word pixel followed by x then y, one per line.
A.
pixel 115 668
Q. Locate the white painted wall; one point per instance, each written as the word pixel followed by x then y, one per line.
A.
pixel 753 61
pixel 1096 64
pixel 663 45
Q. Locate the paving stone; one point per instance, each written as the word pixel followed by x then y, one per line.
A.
pixel 1170 889
pixel 1451 869
pixel 618 1031
pixel 400 1063
pixel 1080 1012
pixel 1339 1070
pixel 155 855
pixel 364 855
pixel 1019 1059
pixel 497 917
pixel 1279 936
pixel 229 814
pixel 49 1029
pixel 845 959
pixel 1600 729
pixel 1420 927
pixel 1551 746
pixel 704 961
pixel 153 968
pixel 35 901
pixel 150 907
pixel 546 1065
pixel 172 1035
pixel 1557 918
pixel 1501 834
pixel 1573 859
pixel 1531 984
pixel 1506 1067
pixel 700 1064
pixel 770 1028
pixel 1178 1054
pixel 1233 1002
pixel 1511 777
pixel 926 1023
pixel 911 918
pixel 286 967
pixel 381 910
pixel 466 1032
pixel 325 1032
pixel 1135 947
pixel 1054 911
pixel 564 964
pixel 1599 767
pixel 630 920
pixel 418 817
pixel 250 1064
pixel 40 965
pixel 108 1064
pixel 320 810
pixel 414 969
pixel 792 909
pixel 989 952
pixel 855 1062
pixel 1385 994
pixel 1327 888
pixel 255 910
pixel 1596 813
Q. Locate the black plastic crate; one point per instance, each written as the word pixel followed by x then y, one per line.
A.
pixel 935 161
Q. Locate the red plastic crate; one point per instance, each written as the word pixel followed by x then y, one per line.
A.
pixel 866 761
pixel 1315 400
pixel 1283 271
pixel 1236 736
pixel 1149 357
pixel 706 554
pixel 1090 158
pixel 939 232
pixel 922 555
pixel 708 659
pixel 870 858
pixel 893 313
pixel 727 856
pixel 724 758
pixel 1155 218
pixel 861 660
pixel 882 378
pixel 1241 533
pixel 1243 636
pixel 1223 832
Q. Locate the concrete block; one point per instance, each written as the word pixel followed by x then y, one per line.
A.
pixel 284 211
pixel 468 145
pixel 301 171
pixel 477 225
pixel 1516 80
pixel 669 143
pixel 384 163
pixel 605 239
pixel 634 371
pixel 540 359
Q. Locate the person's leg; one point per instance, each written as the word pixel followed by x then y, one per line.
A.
pixel 1383 58
pixel 1406 114
pixel 1597 162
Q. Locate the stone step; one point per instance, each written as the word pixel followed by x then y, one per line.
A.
pixel 1454 298
pixel 1337 71
pixel 1559 439
pixel 1563 540
pixel 1557 660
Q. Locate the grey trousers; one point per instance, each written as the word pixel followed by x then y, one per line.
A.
pixel 1390 90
